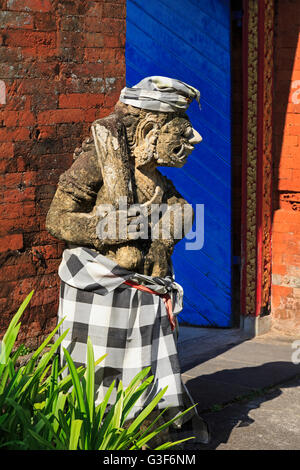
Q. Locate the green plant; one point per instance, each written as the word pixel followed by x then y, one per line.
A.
pixel 40 410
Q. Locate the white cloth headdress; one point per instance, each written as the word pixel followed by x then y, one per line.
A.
pixel 160 94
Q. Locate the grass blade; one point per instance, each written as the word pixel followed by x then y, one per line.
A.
pixel 76 383
pixel 90 380
pixel 143 415
pixel 75 433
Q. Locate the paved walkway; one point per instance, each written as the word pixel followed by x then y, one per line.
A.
pixel 248 390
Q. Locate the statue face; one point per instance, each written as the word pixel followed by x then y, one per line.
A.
pixel 176 141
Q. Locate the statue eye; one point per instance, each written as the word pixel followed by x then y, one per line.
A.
pixel 187 132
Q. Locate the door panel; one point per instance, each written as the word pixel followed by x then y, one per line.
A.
pixel 190 40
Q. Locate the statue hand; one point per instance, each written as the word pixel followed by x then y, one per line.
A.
pixel 119 225
pixel 157 259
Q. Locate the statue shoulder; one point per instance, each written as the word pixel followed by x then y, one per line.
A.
pixel 112 123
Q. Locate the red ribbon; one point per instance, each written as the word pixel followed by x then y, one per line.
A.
pixel 166 298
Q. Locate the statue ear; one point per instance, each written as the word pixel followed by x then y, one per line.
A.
pixel 150 131
pixel 147 130
pixel 145 141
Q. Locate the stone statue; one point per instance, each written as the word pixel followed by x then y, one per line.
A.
pixel 121 219
pixel 120 160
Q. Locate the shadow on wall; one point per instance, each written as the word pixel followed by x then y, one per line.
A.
pixel 286 95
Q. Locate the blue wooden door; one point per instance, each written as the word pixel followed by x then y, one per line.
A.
pixel 190 40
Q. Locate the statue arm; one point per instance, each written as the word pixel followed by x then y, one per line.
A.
pixel 178 220
pixel 172 226
pixel 70 217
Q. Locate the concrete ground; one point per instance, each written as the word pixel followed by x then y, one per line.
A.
pixel 247 390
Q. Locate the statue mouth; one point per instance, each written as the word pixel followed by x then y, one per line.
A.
pixel 183 151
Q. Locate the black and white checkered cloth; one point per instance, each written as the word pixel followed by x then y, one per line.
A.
pixel 130 326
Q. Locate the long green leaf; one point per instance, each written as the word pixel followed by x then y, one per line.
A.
pixel 132 398
pixel 137 380
pixel 103 405
pixel 42 364
pixel 143 440
pixel 146 411
pixel 64 424
pixel 7 346
pixel 41 441
pixel 75 433
pixel 168 445
pixel 90 380
pixel 11 334
pixel 76 383
pixel 59 404
pixel 17 316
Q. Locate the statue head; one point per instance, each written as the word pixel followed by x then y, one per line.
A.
pixel 158 129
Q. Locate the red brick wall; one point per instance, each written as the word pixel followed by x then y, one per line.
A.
pixel 63 66
pixel 286 221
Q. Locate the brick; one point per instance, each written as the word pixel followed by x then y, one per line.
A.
pixel 94 40
pixel 72 7
pixel 93 25
pixel 70 38
pixel 109 26
pixel 17 195
pixel 95 9
pixel 11 242
pixel 30 38
pixel 89 70
pixel 113 10
pixel 25 224
pixel 39 238
pixel 293 119
pixel 70 130
pixel 279 292
pixel 113 40
pixel 11 273
pixel 17 118
pixel 58 116
pixel 14 211
pixel 10 180
pixel 11 20
pixel 291 259
pixel 45 21
pixel 83 101
pixel 14 134
pixel 44 101
pixel 72 23
pixel 45 297
pixel 6 149
pixel 280 269
pixel 47 251
pixel 46 132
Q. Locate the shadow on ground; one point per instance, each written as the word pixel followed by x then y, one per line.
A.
pixel 224 417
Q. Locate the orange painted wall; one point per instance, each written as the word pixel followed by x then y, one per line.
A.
pixel 286 217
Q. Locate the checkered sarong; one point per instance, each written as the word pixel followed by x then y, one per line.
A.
pixel 130 326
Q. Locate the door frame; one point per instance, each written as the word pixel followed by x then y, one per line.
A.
pixel 258 50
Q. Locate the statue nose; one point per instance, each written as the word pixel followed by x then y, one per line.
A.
pixel 195 137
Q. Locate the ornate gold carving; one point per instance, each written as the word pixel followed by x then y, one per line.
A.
pixel 267 151
pixel 267 8
pixel 251 156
